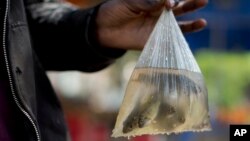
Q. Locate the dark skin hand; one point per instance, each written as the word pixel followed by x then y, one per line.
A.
pixel 127 24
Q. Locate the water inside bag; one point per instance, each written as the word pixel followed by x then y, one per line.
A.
pixel 175 101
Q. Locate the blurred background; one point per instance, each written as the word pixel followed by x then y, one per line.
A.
pixel 91 100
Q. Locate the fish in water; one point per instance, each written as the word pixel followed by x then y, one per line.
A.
pixel 142 114
pixel 155 108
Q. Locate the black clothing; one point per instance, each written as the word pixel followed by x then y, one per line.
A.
pixel 40 36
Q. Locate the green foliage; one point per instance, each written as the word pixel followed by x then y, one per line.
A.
pixel 227 76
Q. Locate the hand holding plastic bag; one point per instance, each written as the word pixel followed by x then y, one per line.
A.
pixel 166 92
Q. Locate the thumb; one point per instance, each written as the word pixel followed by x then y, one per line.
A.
pixel 138 6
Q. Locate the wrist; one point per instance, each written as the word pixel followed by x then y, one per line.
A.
pixel 103 26
pixel 95 37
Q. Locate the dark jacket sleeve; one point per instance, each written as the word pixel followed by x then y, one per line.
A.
pixel 63 37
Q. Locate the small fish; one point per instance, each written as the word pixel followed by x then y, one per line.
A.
pixel 174 82
pixel 154 108
pixel 131 123
pixel 142 115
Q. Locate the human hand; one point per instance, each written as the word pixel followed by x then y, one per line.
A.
pixel 127 24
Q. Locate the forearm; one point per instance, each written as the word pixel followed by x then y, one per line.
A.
pixel 64 37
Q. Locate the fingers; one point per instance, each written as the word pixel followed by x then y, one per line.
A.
pixel 186 6
pixel 181 6
pixel 192 26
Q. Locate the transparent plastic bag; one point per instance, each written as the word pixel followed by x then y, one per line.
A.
pixel 166 92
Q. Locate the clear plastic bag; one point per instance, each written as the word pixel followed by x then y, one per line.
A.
pixel 166 92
